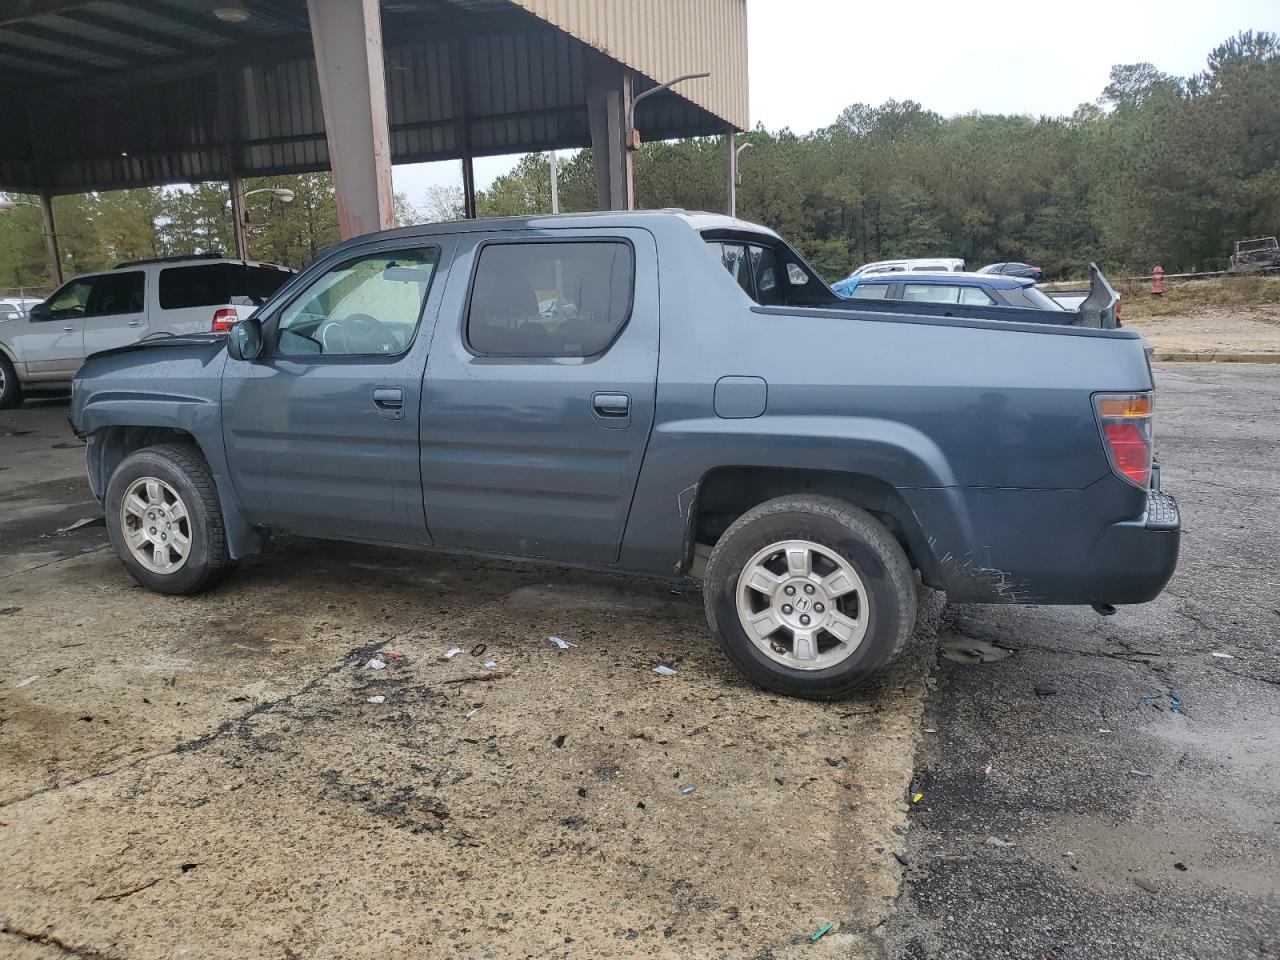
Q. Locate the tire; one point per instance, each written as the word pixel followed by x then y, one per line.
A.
pixel 10 388
pixel 190 487
pixel 880 604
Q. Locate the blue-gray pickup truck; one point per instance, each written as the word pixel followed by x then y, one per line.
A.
pixel 660 393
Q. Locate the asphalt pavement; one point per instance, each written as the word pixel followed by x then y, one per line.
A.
pixel 1111 788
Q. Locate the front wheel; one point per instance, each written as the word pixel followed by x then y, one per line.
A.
pixel 809 596
pixel 165 521
pixel 10 388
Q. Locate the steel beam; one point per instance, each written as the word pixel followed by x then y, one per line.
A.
pixel 608 99
pixel 730 172
pixel 347 35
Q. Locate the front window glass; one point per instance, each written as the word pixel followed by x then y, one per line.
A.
pixel 869 291
pixel 364 307
pixel 72 300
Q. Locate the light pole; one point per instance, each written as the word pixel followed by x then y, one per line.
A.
pixel 555 186
pixel 629 121
pixel 240 213
pixel 733 175
pixel 50 233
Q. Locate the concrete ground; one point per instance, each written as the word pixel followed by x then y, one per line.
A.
pixel 207 777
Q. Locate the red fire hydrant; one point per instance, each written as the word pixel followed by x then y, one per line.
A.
pixel 1157 282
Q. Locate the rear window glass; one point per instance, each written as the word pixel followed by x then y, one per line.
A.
pixel 931 292
pixel 218 284
pixel 550 299
pixel 1041 300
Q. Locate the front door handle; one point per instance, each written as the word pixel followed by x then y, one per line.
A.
pixel 612 404
pixel 70 329
pixel 388 398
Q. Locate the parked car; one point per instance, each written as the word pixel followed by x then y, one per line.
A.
pixel 924 264
pixel 15 308
pixel 979 289
pixel 1250 256
pixel 407 389
pixel 1014 270
pixel 142 300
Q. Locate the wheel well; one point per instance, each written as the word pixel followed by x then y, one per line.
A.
pixel 110 445
pixel 728 492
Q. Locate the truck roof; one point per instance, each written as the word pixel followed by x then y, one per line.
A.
pixel 697 219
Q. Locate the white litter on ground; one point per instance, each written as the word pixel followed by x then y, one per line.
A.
pixel 28 680
pixel 562 644
pixel 377 699
pixel 490 664
pixel 664 670
pixel 452 652
pixel 376 664
pixel 1221 656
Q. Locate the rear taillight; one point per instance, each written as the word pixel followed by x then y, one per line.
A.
pixel 224 320
pixel 1125 419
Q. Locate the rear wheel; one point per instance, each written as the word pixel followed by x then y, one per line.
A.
pixel 810 596
pixel 10 388
pixel 165 521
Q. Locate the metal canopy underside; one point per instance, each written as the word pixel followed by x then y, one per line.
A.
pixel 107 94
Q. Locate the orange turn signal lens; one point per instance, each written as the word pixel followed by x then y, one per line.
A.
pixel 1125 407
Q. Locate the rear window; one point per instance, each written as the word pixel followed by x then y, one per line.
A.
pixel 869 291
pixel 1041 300
pixel 932 268
pixel 218 284
pixel 550 298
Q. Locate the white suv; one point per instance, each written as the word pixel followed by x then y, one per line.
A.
pixel 919 265
pixel 43 349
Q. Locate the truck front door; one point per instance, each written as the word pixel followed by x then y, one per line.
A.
pixel 322 429
pixel 539 393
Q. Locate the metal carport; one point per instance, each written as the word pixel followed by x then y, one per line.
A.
pixel 107 94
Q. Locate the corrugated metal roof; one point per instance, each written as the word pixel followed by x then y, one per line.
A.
pixel 663 39
pixel 116 93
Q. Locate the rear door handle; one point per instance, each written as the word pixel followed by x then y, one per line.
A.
pixel 135 323
pixel 70 329
pixel 611 404
pixel 388 398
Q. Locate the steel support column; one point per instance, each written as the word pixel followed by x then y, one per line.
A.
pixel 468 188
pixel 51 238
pixel 347 37
pixel 608 97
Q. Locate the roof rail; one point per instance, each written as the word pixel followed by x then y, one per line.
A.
pixel 174 259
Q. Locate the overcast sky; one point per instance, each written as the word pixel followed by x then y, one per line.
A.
pixel 809 59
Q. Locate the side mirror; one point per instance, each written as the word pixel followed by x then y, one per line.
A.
pixel 244 340
pixel 40 312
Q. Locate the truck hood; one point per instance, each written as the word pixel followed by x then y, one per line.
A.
pixel 200 343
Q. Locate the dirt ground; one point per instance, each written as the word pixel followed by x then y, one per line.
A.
pixel 1201 330
pixel 208 777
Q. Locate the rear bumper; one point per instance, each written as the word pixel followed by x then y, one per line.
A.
pixel 1134 559
pixel 1109 543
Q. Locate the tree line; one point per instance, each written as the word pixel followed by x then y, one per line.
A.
pixel 1159 170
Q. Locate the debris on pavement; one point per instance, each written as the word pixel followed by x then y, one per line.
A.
pixel 393 656
pixel 558 741
pixel 1046 691
pixel 452 652
pixel 472 713
pixel 1140 774
pixel 1221 656
pixel 1104 729
pixel 561 643
pixel 916 798
pixel 687 790
pixel 1180 866
pixel 969 650
pixel 997 842
pixel 127 893
pixel 86 522
pixel 1146 885
pixel 375 664
pixel 664 670
pixel 377 699
pixel 478 649
pixel 820 933
pixel 26 682
pixel 490 664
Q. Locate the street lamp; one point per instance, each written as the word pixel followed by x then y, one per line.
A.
pixel 240 213
pixel 45 206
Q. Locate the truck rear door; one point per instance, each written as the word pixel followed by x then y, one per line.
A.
pixel 539 393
